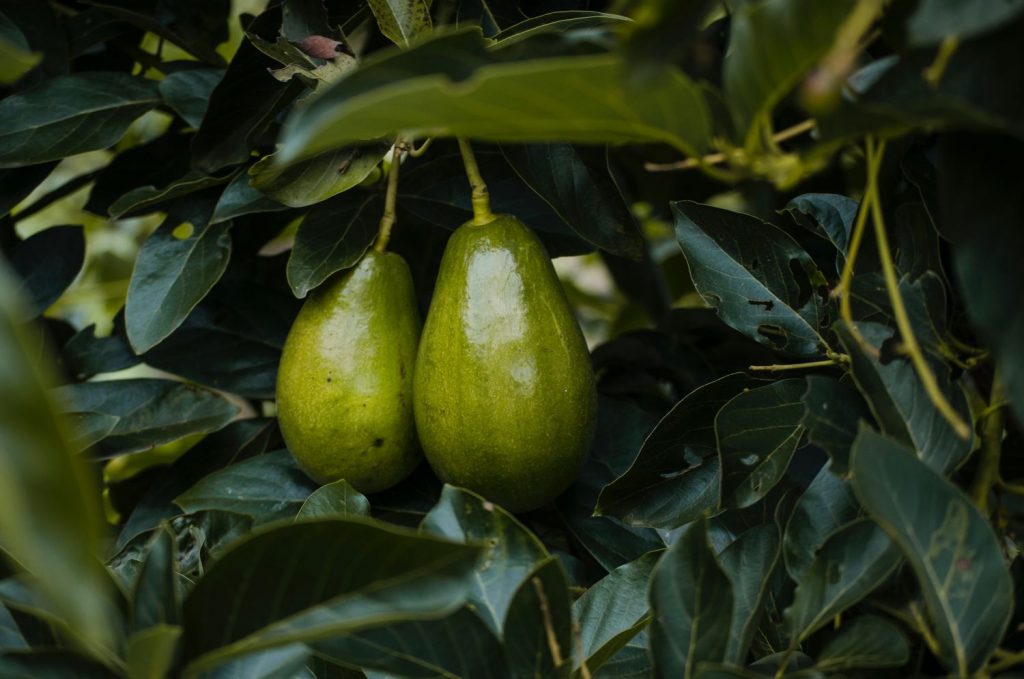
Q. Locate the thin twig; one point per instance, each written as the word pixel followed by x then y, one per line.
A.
pixel 987 475
pixel 417 152
pixel 778 367
pixel 549 626
pixel 715 158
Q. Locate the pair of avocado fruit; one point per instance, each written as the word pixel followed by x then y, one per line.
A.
pixel 498 390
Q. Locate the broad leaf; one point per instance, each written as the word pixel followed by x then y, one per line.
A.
pixel 829 215
pixel 47 263
pixel 402 20
pixel 71 114
pixel 335 499
pixel 750 563
pixel 143 199
pixel 276 663
pixel 156 599
pixel 833 411
pixel 240 198
pixel 188 92
pixel 865 641
pixel 826 505
pixel 538 626
pixel 316 179
pixel 949 544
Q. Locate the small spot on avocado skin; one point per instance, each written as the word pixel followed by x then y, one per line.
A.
pixel 377 443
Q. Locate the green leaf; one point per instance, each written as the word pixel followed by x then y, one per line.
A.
pixel 52 664
pixel 15 61
pixel 140 414
pixel 240 198
pixel 143 199
pixel 156 599
pixel 934 20
pixel 539 622
pixel 150 653
pixel 853 562
pixel 332 237
pixel 49 518
pixel 865 641
pixel 18 183
pixel 71 114
pixel 176 267
pixel 692 600
pixel 188 92
pixel 402 20
pixel 899 401
pixel 510 550
pixel 11 638
pixel 756 276
pixel 552 22
pixel 335 499
pixel 675 476
pixel 826 505
pixel 828 215
pixel 47 263
pixel 285 662
pixel 772 47
pixel 948 543
pixel 452 85
pixel 613 610
pixel 833 409
pixel 750 563
pixel 328 577
pixel 758 431
pixel 316 179
pixel 266 487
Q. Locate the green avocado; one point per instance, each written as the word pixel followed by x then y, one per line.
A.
pixel 504 393
pixel 344 387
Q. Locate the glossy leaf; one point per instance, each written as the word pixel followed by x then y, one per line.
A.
pixel 947 542
pixel 316 179
pixel 750 563
pixel 825 506
pixel 47 263
pixel 865 641
pixel 188 92
pixel 335 499
pixel 402 20
pixel 240 198
pixel 538 626
pixel 70 114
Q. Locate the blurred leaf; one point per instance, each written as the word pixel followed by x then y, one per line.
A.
pixel 321 591
pixel 451 85
pixel 188 92
pixel 146 198
pixel 176 267
pixel 15 61
pixel 35 27
pixel 70 114
pixel 853 562
pixel 749 563
pixel 402 20
pixel 772 47
pixel 150 653
pixel 826 505
pixel 692 601
pixel 675 476
pixel 934 20
pixel 155 596
pixel 758 431
pixel 49 519
pixel 16 184
pixel 143 413
pixel 756 276
pixel 11 638
pixel 947 542
pixel 52 664
pixel 333 237
pixel 539 622
pixel 266 487
pixel 833 409
pixel 316 179
pixel 47 264
pixel 663 32
pixel 335 499
pixel 865 641
pixel 828 215
pixel 510 550
pixel 613 610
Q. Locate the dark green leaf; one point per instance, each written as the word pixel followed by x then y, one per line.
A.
pixel 865 641
pixel 70 114
pixel 86 355
pixel 316 179
pixel 47 263
pixel 11 638
pixel 36 27
pixel 286 662
pixel 335 499
pixel 756 276
pixel 826 505
pixel 750 563
pixel 143 413
pixel 328 577
pixel 188 92
pixel 150 653
pixel 934 20
pixel 143 199
pixel 758 431
pixel 829 215
pixel 948 543
pixel 155 597
pixel 516 29
pixel 510 550
pixel 632 662
pixel 402 20
pixel 538 623
pixel 692 601
pixel 833 411
pixel 52 664
pixel 16 184
pixel 240 198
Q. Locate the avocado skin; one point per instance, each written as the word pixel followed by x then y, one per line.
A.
pixel 504 394
pixel 344 387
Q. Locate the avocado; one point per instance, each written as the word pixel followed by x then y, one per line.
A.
pixel 344 387
pixel 504 394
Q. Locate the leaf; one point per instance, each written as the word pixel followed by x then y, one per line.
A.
pixel 568 99
pixel 146 198
pixel 188 92
pixel 675 476
pixel 15 61
pixel 833 409
pixel 11 638
pixel 266 487
pixel 510 550
pixel 319 589
pixel 518 29
pixel 316 179
pixel 155 599
pixel 853 562
pixel 85 354
pixel 865 641
pixel 240 198
pixel 613 610
pixel 757 277
pixel 70 114
pixel 580 188
pixel 933 20
pixel 402 20
pixel 335 499
pixel 899 401
pixel 285 662
pixel 49 518
pixel 632 662
pixel 332 237
pixel 18 183
pixel 692 600
pixel 948 543
pixel 749 562
pixel 52 664
pixel 150 653
pixel 144 413
pixel 826 505
pixel 772 47
pixel 538 626
pixel 176 267
pixel 758 431
pixel 828 215
pixel 47 264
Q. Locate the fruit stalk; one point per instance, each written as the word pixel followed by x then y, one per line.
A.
pixel 481 199
pixel 387 220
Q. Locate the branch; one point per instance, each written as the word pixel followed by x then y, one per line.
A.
pixel 715 158
pixel 549 626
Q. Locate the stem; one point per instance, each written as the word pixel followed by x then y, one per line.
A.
pixel 387 220
pixel 714 158
pixel 987 475
pixel 924 371
pixel 549 626
pixel 584 670
pixel 481 199
pixel 417 152
pixel 777 367
pixel 925 631
pixel 1006 661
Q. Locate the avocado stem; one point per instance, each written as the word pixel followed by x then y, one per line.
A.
pixel 387 220
pixel 481 199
